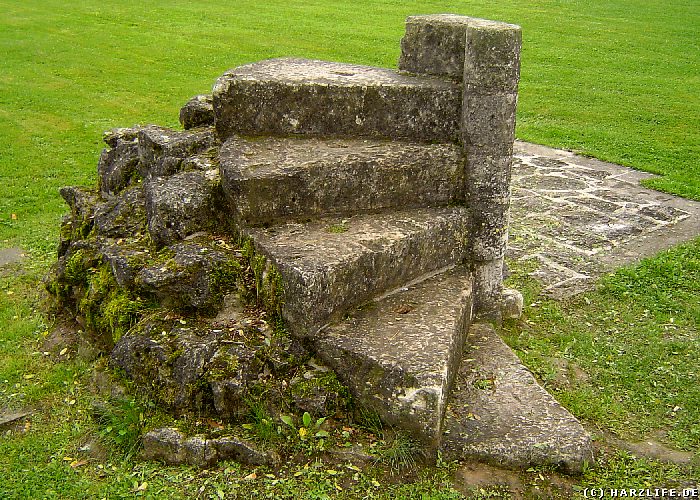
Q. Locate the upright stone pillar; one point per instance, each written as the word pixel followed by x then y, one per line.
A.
pixel 485 56
pixel 491 74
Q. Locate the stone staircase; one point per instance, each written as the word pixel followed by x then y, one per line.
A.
pixel 381 197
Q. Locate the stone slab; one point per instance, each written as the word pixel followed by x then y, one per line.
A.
pixel 292 96
pixel 580 217
pixel 9 256
pixel 333 264
pixel 272 179
pixel 499 414
pixel 398 355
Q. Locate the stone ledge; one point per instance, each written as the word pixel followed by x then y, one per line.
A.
pixel 331 265
pixel 307 97
pixel 499 414
pixel 398 355
pixel 269 180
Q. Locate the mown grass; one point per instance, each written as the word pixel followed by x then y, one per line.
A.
pixel 616 80
pixel 636 341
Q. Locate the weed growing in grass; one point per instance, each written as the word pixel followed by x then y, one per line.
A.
pixel 120 423
pixel 402 452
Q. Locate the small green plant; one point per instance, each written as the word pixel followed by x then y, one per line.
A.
pixel 337 228
pixel 261 423
pixel 309 431
pixel 402 452
pixel 120 424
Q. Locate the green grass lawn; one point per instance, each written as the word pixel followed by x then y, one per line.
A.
pixel 617 80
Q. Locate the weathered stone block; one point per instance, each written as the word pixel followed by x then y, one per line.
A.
pixel 488 288
pixel 434 45
pixel 118 163
pixel 162 151
pixel 333 264
pixel 182 204
pixel 271 179
pixel 488 178
pixel 489 229
pixel 192 278
pixel 399 355
pixel 489 123
pixel 125 260
pixel 197 112
pixel 499 414
pixel 492 57
pixel 318 98
pixel 122 216
pixel 513 303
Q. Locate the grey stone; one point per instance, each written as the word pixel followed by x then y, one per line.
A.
pixel 272 179
pixel 197 112
pixel 512 304
pixel 10 256
pixel 163 151
pixel 499 414
pixel 399 355
pixel 171 446
pixel 170 363
pixel 232 370
pixel 330 265
pixel 488 289
pixel 492 57
pixel 82 201
pixel 183 204
pixel 306 97
pixel 164 445
pixel 488 178
pixel 125 260
pixel 434 44
pixel 197 276
pixel 123 215
pixel 242 451
pixel 489 123
pixel 489 230
pixel 118 163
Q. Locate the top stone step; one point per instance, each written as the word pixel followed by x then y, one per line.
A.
pixel 292 96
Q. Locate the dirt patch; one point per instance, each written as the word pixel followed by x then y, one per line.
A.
pixel 476 478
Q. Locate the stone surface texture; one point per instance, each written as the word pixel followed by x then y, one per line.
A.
pixel 171 446
pixel 190 279
pixel 183 204
pixel 499 414
pixel 197 112
pixel 398 355
pixel 118 163
pixel 318 98
pixel 332 264
pixel 163 151
pixel 491 75
pixel 577 218
pixel 272 179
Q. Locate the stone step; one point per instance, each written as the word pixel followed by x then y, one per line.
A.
pixel 292 96
pixel 272 179
pixel 398 355
pixel 498 413
pixel 333 264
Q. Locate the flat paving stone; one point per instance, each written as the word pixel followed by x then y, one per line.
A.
pixel 499 414
pixel 10 260
pixel 579 218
